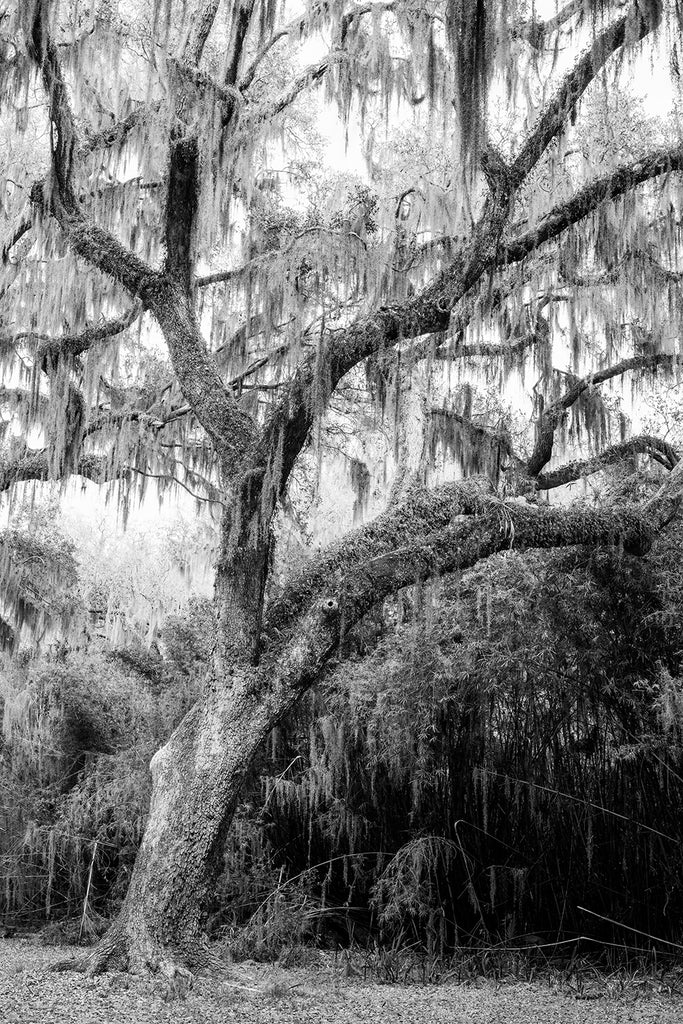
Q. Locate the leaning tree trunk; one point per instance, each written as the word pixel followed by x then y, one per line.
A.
pixel 196 781
pixel 197 777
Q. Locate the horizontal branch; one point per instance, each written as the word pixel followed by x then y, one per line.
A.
pixel 77 344
pixel 658 450
pixel 35 465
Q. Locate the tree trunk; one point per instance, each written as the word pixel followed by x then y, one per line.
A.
pixel 196 781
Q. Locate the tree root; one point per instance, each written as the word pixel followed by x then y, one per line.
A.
pixel 140 954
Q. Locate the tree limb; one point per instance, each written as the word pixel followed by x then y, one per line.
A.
pixel 35 465
pixel 298 24
pixel 504 525
pixel 313 73
pixel 553 414
pixel 589 198
pixel 429 312
pixel 639 21
pixel 420 511
pixel 167 295
pixel 536 32
pixel 241 19
pixel 200 27
pixel 77 344
pixel 643 444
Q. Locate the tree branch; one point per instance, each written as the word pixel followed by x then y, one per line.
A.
pixel 116 133
pixel 421 511
pixel 430 311
pixel 639 20
pixel 313 73
pixel 297 26
pixel 35 465
pixel 230 428
pixel 200 27
pixel 241 20
pixel 553 414
pixel 589 198
pixel 372 577
pixel 536 32
pixel 77 344
pixel 658 450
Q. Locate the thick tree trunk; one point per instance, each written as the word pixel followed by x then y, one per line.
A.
pixel 198 774
pixel 196 781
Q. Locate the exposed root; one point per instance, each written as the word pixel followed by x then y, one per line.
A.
pixel 110 954
pixel 175 968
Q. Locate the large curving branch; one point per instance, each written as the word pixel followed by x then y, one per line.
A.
pixel 420 511
pixel 642 444
pixel 554 413
pixel 299 657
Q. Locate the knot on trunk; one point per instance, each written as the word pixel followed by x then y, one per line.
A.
pixel 330 606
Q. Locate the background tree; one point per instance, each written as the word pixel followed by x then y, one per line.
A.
pixel 155 127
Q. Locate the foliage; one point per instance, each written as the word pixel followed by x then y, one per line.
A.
pixel 78 733
pixel 523 725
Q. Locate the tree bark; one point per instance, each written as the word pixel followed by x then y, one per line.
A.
pixel 196 782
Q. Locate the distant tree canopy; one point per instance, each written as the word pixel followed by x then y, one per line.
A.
pixel 519 219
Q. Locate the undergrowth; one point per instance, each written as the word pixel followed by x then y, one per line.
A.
pixel 487 784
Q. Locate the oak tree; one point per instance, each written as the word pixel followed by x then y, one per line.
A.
pixel 515 237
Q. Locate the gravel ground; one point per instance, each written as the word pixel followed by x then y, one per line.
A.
pixel 30 994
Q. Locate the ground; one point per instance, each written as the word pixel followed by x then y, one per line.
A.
pixel 321 994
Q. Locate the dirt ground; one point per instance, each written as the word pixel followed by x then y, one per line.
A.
pixel 31 994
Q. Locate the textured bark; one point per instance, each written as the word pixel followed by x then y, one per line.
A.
pixel 196 781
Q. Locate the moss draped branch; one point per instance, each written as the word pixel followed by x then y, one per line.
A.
pixel 554 413
pixel 382 570
pixel 50 348
pixel 638 21
pixel 643 444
